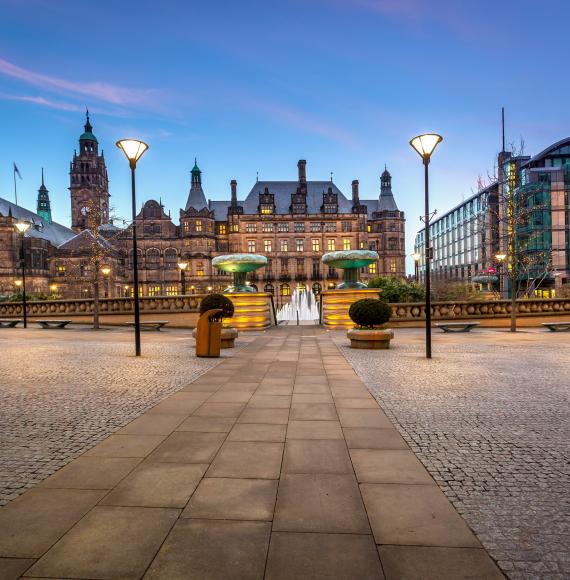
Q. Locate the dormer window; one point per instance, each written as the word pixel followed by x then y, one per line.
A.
pixel 266 209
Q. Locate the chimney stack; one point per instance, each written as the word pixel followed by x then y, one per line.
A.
pixel 233 186
pixel 355 196
pixel 302 166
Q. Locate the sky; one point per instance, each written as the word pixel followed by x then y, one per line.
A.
pixel 252 86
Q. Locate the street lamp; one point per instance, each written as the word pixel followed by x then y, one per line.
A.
pixel 53 288
pixel 425 145
pixel 22 227
pixel 106 270
pixel 183 265
pixel 416 257
pixel 134 150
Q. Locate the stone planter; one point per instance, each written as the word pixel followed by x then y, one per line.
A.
pixel 229 334
pixel 376 338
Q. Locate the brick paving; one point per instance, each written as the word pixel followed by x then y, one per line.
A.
pixel 62 391
pixel 276 464
pixel 489 418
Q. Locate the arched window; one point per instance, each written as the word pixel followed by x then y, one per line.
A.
pixel 269 288
pixel 140 258
pixel 170 259
pixel 301 287
pixel 200 269
pixel 153 259
pixel 317 288
pixel 285 290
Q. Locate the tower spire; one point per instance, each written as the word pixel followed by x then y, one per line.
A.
pixel 43 203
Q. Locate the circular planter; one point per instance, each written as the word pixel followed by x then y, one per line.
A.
pixel 229 334
pixel 370 338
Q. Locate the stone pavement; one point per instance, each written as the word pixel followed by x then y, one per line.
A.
pixel 489 418
pixel 277 464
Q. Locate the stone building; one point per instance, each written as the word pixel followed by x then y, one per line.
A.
pixel 293 223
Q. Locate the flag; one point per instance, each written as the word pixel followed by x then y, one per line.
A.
pixel 17 171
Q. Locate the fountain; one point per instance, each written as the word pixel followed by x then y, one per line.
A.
pixel 349 261
pixel 303 306
pixel 239 265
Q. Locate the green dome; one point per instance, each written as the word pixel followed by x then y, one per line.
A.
pixel 88 136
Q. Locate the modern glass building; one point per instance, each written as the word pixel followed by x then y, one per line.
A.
pixel 524 214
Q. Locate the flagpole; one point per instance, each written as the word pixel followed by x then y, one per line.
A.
pixel 15 189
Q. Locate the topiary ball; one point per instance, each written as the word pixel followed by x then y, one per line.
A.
pixel 370 312
pixel 217 301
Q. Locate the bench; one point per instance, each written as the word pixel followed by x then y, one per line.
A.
pixel 152 324
pixel 9 322
pixel 457 326
pixel 557 326
pixel 53 323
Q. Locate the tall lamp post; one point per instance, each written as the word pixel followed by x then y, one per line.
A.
pixel 133 150
pixel 425 145
pixel 22 227
pixel 501 259
pixel 183 265
pixel 416 257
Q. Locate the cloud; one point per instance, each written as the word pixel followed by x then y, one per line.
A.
pixel 43 102
pixel 101 91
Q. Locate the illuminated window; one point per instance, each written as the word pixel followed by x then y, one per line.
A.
pixel 284 245
pixel 283 227
pixel 285 290
pixel 200 269
pixel 251 246
pixel 301 287
pixel 316 245
pixel 235 228
pixel 362 245
pixel 392 265
pixel 185 227
pixel 372 268
pixel 267 246
pixel 251 228
pixel 198 225
pixel 369 228
pixel 346 244
pixel 222 229
pixel 60 270
pixel 154 290
pixel 266 209
pixel 300 245
pixel 171 290
pixel 267 227
pixel 330 245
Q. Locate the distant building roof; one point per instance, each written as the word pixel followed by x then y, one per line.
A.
pixel 55 233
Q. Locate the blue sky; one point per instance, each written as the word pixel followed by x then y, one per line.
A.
pixel 253 86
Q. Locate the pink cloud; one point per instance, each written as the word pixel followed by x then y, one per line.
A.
pixel 43 102
pixel 101 91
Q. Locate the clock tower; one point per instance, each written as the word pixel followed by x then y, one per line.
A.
pixel 89 184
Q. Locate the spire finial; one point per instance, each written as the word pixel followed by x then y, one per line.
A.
pixel 331 176
pixel 257 177
pixel 88 127
pixel 385 167
pixel 43 177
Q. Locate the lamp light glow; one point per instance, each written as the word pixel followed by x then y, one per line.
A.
pixel 23 226
pixel 105 270
pixel 416 257
pixel 183 265
pixel 425 144
pixel 500 257
pixel 17 283
pixel 132 148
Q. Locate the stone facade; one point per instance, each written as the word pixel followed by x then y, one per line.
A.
pixel 293 223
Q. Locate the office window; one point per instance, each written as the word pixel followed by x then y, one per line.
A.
pixel 346 244
pixel 235 228
pixel 346 226
pixel 200 269
pixel 392 265
pixel 251 246
pixel 330 227
pixel 251 228
pixel 298 227
pixel 283 227
pixel 285 290
pixel 316 268
pixel 198 225
pixel 267 246
pixel 315 227
pixel 368 228
pixel 300 266
pixel 284 245
pixel 153 259
pixel 266 209
pixel 154 290
pixel 267 227
pixel 330 245
pixel 316 245
pixel 222 229
pixel 60 270
pixel 171 290
pixel 372 268
pixel 300 245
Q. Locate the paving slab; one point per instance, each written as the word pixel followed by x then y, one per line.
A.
pixel 316 456
pixel 152 424
pixel 233 499
pixel 389 466
pixel 248 459
pixel 322 557
pixel 109 542
pixel 313 412
pixel 362 438
pixel 13 568
pixel 258 432
pixel 207 424
pixel 314 430
pixel 126 446
pixel 212 550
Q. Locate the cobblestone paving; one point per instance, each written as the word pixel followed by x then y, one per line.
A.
pixel 489 418
pixel 63 391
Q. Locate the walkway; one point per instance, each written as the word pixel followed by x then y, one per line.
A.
pixel 277 463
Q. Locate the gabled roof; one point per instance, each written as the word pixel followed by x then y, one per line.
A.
pixel 54 233
pixel 83 241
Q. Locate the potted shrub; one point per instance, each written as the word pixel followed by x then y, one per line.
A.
pixel 211 301
pixel 370 316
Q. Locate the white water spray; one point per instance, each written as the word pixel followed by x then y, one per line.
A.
pixel 303 306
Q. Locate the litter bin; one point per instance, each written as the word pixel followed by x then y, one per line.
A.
pixel 209 333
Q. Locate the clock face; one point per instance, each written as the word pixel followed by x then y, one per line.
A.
pixel 84 210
